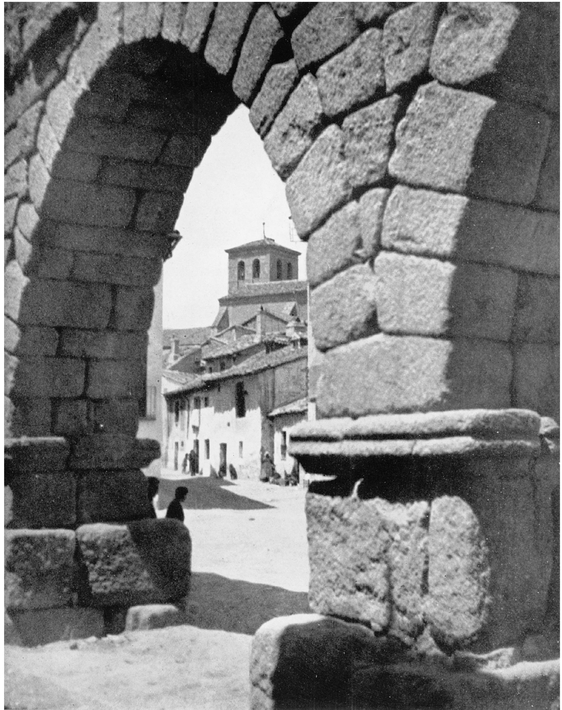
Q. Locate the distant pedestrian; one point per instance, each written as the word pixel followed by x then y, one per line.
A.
pixel 175 509
pixel 152 490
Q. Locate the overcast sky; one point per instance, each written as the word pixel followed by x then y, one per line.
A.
pixel 231 193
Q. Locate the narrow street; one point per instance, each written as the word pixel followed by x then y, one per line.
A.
pixel 249 565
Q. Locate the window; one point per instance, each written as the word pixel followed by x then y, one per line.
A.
pixel 256 269
pixel 279 270
pixel 207 448
pixel 240 449
pixel 240 400
pixel 176 411
pixel 289 272
pixel 241 271
pixel 283 445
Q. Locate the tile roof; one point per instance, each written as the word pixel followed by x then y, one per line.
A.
pixel 256 363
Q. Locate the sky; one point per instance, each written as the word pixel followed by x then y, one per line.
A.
pixel 232 192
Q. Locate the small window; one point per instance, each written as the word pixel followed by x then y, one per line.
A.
pixel 256 269
pixel 206 402
pixel 289 272
pixel 241 271
pixel 207 449
pixel 240 449
pixel 279 270
pixel 283 445
pixel 240 400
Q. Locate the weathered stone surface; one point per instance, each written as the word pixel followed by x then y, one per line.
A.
pixel 294 658
pixel 59 303
pixel 70 417
pixel 454 227
pixel 197 19
pixel 458 600
pixel 429 297
pixel 548 189
pixel 385 373
pixel 537 313
pixel 334 246
pixel 368 140
pixel 37 454
pixel 39 568
pixel 229 24
pixel 42 626
pixel 327 28
pixel 295 128
pixel 407 42
pixel 144 562
pixel 158 211
pixel 44 377
pixel 320 183
pixel 344 308
pixel 460 141
pixel 371 209
pixel 43 500
pixel 116 496
pixel 278 83
pixel 354 76
pixel 102 345
pixel 112 451
pixel 498 42
pixel 133 308
pixel 263 36
pixel 536 378
pixel 152 616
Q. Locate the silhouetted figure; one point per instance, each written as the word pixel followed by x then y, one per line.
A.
pixel 152 490
pixel 175 509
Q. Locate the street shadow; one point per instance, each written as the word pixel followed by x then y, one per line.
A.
pixel 206 494
pixel 217 602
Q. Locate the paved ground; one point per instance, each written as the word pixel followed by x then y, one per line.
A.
pixel 249 565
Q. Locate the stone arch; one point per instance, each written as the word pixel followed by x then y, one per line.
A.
pixel 420 158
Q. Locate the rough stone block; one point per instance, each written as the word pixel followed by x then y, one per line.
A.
pixel 463 142
pixel 88 203
pixel 144 562
pixel 197 19
pixel 71 165
pixel 116 416
pixel 111 269
pixel 37 454
pixel 320 183
pixel 294 660
pixel 59 303
pixel 400 374
pixel 454 227
pixel 264 35
pixel 295 129
pixel 537 313
pixel 153 616
pixel 280 80
pixel 172 21
pixel 116 496
pixel 158 211
pixel 103 345
pixel 344 308
pixel 42 626
pixel 368 140
pixel 327 28
pixel 371 209
pixel 335 246
pixel 513 49
pixel 185 150
pixel 27 416
pixel 354 76
pixel 429 297
pixel 229 24
pixel 39 568
pixel 407 42
pixel 115 378
pixel 133 308
pixel 43 500
pixel 45 377
pixel 548 189
pixel 70 417
pixel 115 140
pixel 536 378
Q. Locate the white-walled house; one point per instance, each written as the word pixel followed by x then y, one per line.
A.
pixel 223 416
